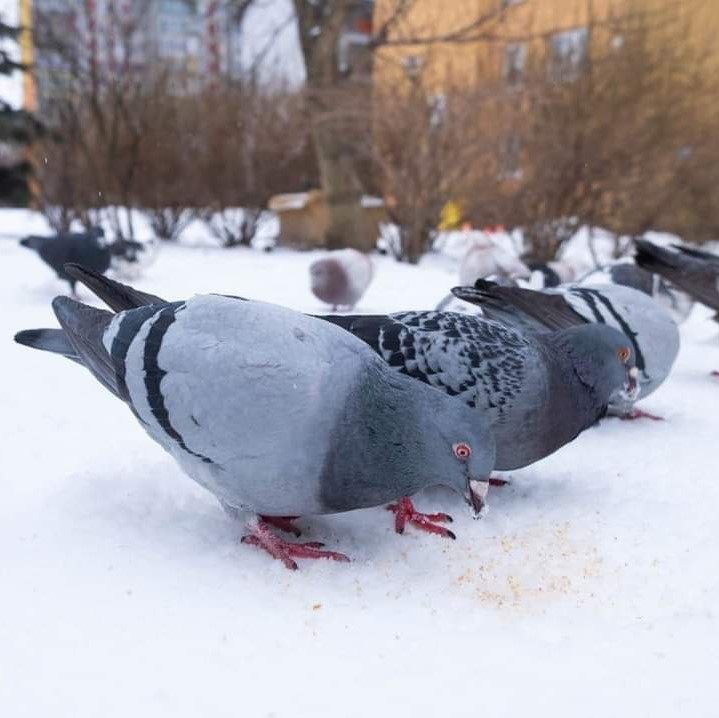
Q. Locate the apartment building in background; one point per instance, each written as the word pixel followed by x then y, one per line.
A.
pixel 200 39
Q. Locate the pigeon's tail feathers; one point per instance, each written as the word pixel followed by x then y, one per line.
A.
pixel 657 259
pixel 697 276
pixel 119 297
pixel 84 328
pixel 48 340
pixel 697 253
pixel 524 309
pixel 33 242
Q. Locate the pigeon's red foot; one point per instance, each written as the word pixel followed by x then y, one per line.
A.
pixel 283 523
pixel 635 414
pixel 404 512
pixel 498 482
pixel 261 536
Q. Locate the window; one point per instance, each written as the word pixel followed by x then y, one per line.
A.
pixel 568 54
pixel 412 64
pixel 515 58
pixel 510 157
pixel 438 109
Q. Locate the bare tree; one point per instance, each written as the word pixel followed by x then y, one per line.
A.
pixel 254 144
pixel 323 27
pixel 608 143
pixel 423 150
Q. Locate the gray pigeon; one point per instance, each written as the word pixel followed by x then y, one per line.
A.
pixel 651 332
pixel 692 270
pixel 270 410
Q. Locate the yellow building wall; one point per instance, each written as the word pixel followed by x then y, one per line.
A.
pixel 27 55
pixel 444 64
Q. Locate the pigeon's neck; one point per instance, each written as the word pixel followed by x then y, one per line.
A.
pixel 579 403
pixel 388 443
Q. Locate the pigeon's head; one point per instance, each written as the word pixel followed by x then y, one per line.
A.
pixel 604 360
pixel 466 453
pixel 329 280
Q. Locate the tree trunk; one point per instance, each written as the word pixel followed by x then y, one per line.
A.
pixel 320 25
pixel 342 191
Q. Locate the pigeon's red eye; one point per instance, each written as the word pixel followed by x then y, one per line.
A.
pixel 462 451
pixel 624 354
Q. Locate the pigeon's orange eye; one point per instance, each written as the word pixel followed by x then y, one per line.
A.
pixel 624 355
pixel 462 451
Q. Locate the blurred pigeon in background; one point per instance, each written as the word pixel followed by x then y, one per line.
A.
pixel 651 332
pixel 341 278
pixel 692 270
pixel 84 248
pixel 551 274
pixel 272 411
pixel 485 258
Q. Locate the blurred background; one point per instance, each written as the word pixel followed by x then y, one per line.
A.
pixel 338 123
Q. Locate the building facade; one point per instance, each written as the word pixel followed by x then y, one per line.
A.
pixel 199 39
pixel 515 33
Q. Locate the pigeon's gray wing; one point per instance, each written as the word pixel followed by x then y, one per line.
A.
pixel 526 309
pixel 697 276
pixel 119 297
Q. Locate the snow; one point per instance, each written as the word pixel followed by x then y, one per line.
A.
pixel 589 588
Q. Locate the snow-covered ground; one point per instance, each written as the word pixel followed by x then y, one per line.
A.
pixel 590 587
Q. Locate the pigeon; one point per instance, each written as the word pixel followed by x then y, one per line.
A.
pixel 627 274
pixel 649 329
pixel 692 270
pixel 86 249
pixel 272 411
pixel 484 258
pixel 341 278
pixel 538 390
pixel 551 274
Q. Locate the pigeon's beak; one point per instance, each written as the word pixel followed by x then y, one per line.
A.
pixel 631 386
pixel 475 495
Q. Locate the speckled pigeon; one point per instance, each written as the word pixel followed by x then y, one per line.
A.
pixel 648 328
pixel 271 410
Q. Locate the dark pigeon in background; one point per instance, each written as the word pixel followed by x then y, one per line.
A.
pixel 692 270
pixel 271 410
pixel 649 329
pixel 84 248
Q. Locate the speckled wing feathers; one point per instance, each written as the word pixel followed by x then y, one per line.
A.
pixel 481 362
